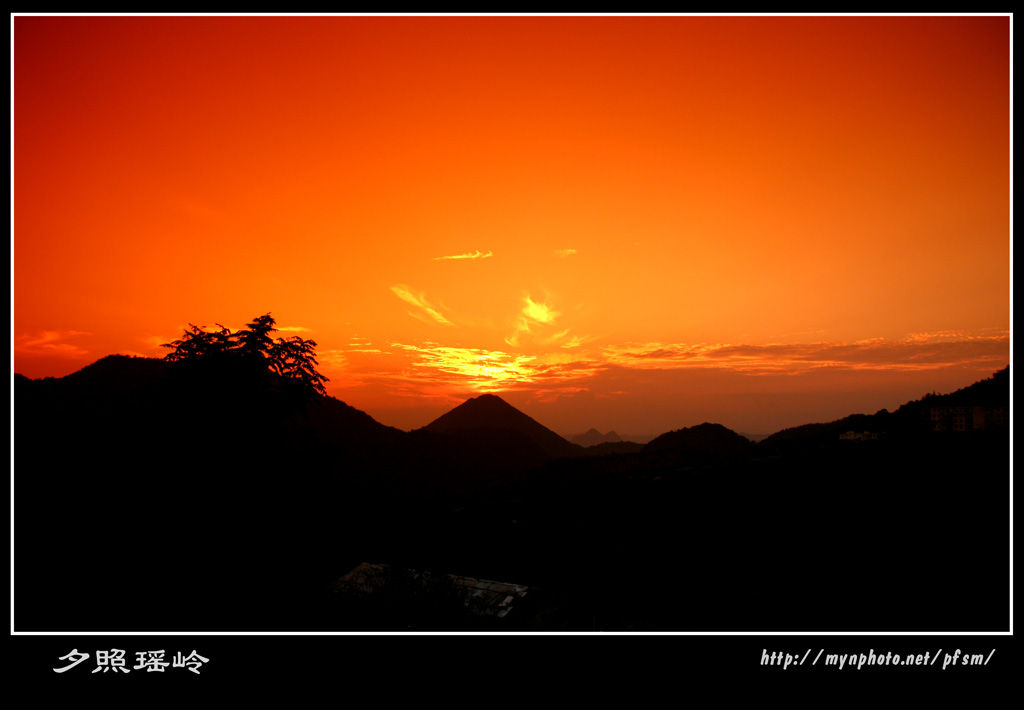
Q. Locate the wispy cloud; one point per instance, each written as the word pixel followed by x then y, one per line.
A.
pixel 918 351
pixel 566 367
pixel 539 312
pixel 535 325
pixel 533 314
pixel 562 253
pixel 552 395
pixel 51 342
pixel 522 327
pixel 157 341
pixel 573 342
pixel 419 300
pixel 938 336
pixel 468 255
pixel 359 344
pixel 332 359
pixel 562 339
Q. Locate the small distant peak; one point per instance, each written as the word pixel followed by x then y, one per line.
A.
pixel 593 437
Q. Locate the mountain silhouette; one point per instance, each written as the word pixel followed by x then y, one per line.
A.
pixel 489 416
pixel 592 437
pixel 991 392
pixel 911 419
pixel 702 441
pixel 153 495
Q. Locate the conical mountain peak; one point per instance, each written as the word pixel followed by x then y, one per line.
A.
pixel 490 413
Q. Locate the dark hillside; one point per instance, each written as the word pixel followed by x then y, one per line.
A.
pixel 151 496
pixel 705 442
pixel 150 493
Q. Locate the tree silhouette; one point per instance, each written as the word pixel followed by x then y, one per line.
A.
pixel 199 344
pixel 256 342
pixel 292 359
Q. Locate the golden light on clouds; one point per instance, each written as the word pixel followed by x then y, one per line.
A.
pixel 461 369
pixel 535 320
pixel 539 312
pixel 425 308
pixel 468 255
pixel 496 370
pixel 484 370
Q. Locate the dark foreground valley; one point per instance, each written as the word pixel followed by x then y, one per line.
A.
pixel 159 496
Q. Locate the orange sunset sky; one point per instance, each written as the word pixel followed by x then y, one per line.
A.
pixel 629 223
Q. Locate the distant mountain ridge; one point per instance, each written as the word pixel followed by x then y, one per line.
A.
pixel 910 418
pixel 992 391
pixel 592 437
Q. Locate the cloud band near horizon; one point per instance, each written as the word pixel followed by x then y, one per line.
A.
pixel 497 370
